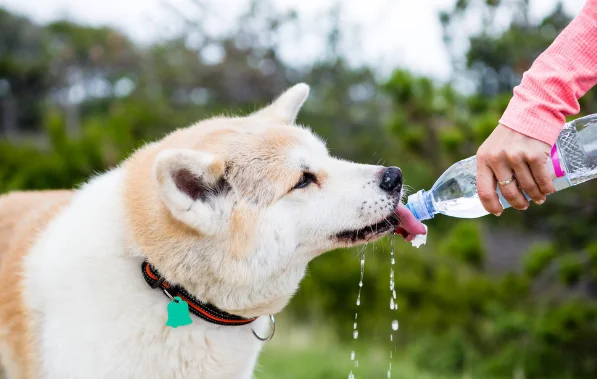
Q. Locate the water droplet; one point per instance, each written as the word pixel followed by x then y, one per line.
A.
pixel 359 301
pixel 351 375
pixel 356 315
pixel 356 363
pixel 355 325
pixel 352 355
pixel 393 305
pixel 355 334
pixel 361 283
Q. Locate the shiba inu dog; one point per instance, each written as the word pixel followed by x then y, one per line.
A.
pixel 222 217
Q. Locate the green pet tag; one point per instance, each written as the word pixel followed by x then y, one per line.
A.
pixel 178 313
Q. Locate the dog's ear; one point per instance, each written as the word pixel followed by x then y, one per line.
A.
pixel 287 106
pixel 187 181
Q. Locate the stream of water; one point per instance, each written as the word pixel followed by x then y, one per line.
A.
pixel 393 308
pixel 355 331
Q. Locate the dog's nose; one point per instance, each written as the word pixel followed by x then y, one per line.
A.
pixel 391 179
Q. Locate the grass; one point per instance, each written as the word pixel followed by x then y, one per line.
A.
pixel 304 354
pixel 324 363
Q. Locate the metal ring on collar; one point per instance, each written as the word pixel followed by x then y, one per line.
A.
pixel 168 294
pixel 271 335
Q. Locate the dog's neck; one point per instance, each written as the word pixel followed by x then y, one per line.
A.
pixel 203 310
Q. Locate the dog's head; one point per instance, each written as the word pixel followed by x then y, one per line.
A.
pixel 235 208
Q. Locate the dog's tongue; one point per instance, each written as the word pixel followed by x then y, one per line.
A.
pixel 409 223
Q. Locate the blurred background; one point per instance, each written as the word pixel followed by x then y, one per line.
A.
pixel 418 84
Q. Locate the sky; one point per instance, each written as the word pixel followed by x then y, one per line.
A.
pixel 389 33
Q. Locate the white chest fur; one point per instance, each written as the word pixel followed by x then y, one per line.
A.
pixel 95 317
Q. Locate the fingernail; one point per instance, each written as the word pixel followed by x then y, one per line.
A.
pixel 498 214
pixel 525 208
pixel 539 202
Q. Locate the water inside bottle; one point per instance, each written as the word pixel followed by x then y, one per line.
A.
pixel 464 207
pixel 455 192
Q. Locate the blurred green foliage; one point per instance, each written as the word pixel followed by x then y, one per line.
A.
pixel 76 100
pixel 538 257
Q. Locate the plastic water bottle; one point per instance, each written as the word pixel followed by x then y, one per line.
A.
pixel 573 161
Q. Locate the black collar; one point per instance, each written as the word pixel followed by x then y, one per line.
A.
pixel 206 311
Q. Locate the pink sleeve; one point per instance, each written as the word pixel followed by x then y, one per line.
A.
pixel 550 90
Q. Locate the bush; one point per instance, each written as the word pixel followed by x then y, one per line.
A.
pixel 571 269
pixel 464 243
pixel 538 258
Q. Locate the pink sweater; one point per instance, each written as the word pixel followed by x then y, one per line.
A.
pixel 550 90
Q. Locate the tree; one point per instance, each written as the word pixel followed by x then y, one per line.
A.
pixel 24 63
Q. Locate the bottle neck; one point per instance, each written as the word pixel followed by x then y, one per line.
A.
pixel 421 205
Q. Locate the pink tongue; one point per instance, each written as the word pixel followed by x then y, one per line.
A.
pixel 409 221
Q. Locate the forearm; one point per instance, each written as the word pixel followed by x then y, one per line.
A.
pixel 550 90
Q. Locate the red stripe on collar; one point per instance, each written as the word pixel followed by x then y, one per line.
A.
pixel 205 311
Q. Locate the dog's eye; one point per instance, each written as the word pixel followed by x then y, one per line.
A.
pixel 306 179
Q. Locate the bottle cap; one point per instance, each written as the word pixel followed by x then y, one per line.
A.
pixel 417 204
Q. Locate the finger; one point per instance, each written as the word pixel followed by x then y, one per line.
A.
pixel 486 189
pixel 540 173
pixel 511 192
pixel 527 183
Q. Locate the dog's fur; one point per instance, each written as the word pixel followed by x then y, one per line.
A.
pixel 215 209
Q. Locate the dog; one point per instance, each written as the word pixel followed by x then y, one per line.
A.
pixel 170 265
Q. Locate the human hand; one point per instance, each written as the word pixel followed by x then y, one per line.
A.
pixel 507 153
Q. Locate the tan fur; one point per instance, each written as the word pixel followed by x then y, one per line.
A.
pixel 243 224
pixel 23 215
pixel 154 229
